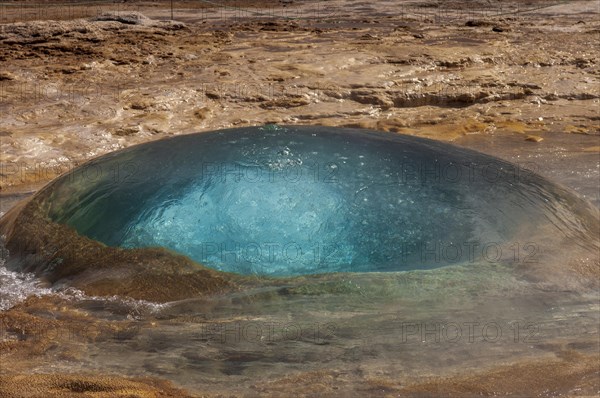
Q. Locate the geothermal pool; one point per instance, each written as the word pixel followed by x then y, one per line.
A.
pixel 233 260
pixel 284 201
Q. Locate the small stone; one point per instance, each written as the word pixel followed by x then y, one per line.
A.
pixel 213 95
pixel 7 76
pixel 497 29
pixel 125 131
pixel 534 138
pixel 284 103
pixel 140 105
pixel 475 22
pixel 202 113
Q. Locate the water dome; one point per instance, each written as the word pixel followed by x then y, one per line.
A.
pixel 286 201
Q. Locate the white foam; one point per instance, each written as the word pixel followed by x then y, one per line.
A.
pixel 15 287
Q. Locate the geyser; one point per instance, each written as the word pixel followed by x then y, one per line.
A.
pixel 304 200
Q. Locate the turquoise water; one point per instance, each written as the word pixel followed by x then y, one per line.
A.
pixel 304 200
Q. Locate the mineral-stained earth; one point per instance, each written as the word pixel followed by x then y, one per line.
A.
pixel 517 79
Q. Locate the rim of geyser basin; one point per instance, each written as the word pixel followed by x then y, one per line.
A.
pixel 60 255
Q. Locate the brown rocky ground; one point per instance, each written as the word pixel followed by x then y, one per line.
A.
pixel 516 79
pixel 72 90
pixel 66 386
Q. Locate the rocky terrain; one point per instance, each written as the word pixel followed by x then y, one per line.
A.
pixel 74 89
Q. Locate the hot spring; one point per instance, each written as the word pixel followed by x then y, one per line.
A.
pixel 285 201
